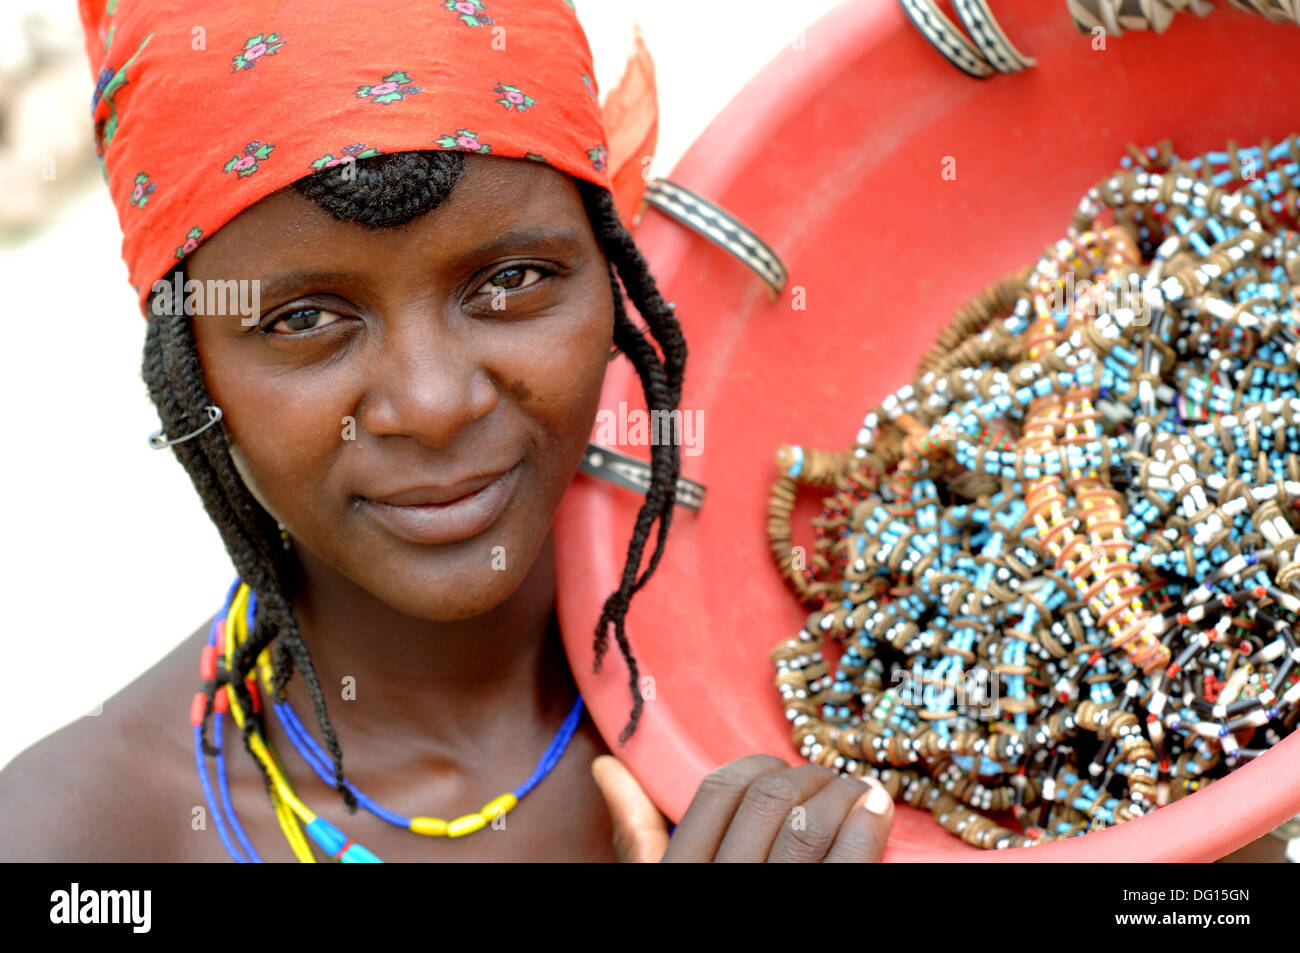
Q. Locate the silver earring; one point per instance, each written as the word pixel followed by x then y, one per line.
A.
pixel 160 441
pixel 284 535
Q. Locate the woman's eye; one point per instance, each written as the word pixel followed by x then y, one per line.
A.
pixel 302 319
pixel 511 279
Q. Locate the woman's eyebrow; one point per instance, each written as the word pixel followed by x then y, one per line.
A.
pixel 290 281
pixel 559 239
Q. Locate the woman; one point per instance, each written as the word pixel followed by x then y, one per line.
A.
pixel 397 423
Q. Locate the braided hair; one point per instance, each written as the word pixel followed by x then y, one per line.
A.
pixel 384 191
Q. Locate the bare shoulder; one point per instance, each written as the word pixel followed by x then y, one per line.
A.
pixel 109 787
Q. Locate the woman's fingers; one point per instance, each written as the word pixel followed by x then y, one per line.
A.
pixel 753 809
pixel 640 831
pixel 818 822
pixel 705 823
pixel 778 808
pixel 865 830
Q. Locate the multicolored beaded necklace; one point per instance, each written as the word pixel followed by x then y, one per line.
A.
pixel 1062 563
pixel 232 627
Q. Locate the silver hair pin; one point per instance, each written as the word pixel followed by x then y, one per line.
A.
pixel 159 441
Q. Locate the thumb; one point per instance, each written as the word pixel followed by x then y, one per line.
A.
pixel 640 831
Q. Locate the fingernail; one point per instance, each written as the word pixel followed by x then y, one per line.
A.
pixel 878 801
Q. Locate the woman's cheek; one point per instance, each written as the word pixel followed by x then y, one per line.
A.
pixel 283 445
pixel 579 356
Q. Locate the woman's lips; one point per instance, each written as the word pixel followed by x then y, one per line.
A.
pixel 449 522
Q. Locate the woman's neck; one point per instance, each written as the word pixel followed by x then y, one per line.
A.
pixel 455 685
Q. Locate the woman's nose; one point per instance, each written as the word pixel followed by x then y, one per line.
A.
pixel 427 380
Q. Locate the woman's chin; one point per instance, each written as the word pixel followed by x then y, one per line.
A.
pixel 445 596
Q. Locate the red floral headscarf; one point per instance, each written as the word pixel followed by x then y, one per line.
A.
pixel 202 109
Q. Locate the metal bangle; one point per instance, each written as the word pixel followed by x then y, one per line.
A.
pixel 633 474
pixel 719 226
pixel 946 38
pixel 990 38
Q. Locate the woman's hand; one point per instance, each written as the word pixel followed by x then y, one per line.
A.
pixel 756 808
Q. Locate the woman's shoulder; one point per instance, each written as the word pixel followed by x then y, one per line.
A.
pixel 109 786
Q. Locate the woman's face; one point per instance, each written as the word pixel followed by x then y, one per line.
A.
pixel 391 370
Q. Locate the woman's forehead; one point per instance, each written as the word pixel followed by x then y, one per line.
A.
pixel 494 198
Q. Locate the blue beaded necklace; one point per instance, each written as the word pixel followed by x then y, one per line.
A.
pixel 328 837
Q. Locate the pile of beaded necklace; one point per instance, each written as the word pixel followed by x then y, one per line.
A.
pixel 230 628
pixel 1062 562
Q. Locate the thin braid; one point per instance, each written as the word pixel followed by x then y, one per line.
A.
pixel 296 651
pixel 663 325
pixel 644 293
pixel 658 503
pixel 184 372
pixel 174 413
pixel 174 376
pixel 662 382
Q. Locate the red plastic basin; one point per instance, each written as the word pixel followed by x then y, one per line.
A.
pixel 833 155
